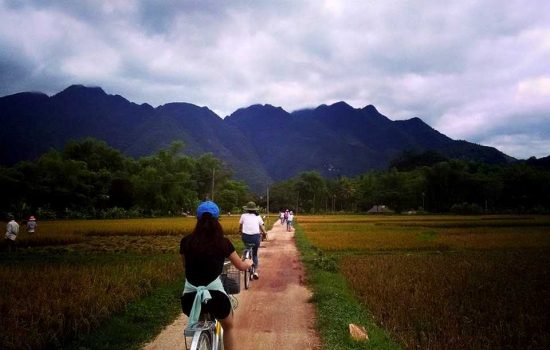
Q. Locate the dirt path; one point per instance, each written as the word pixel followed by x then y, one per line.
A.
pixel 274 313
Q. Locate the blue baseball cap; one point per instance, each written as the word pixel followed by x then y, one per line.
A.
pixel 208 207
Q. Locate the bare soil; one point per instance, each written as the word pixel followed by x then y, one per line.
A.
pixel 275 312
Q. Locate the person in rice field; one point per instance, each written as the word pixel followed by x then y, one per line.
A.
pixel 12 229
pixel 31 225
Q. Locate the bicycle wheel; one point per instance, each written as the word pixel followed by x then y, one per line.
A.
pixel 204 342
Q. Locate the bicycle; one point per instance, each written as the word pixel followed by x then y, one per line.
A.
pixel 248 253
pixel 207 333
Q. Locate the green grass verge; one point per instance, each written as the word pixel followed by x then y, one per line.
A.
pixel 141 321
pixel 335 303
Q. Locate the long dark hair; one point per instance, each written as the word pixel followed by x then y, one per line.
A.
pixel 207 235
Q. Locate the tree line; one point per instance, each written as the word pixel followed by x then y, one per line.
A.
pixel 424 182
pixel 89 179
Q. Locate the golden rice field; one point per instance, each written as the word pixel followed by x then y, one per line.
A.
pixel 70 276
pixel 446 282
pixel 43 304
pixel 471 300
pixel 335 233
pixel 144 235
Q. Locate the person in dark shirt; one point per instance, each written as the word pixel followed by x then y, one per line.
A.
pixel 203 253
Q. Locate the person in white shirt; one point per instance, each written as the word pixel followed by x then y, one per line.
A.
pixel 251 227
pixel 12 229
pixel 289 221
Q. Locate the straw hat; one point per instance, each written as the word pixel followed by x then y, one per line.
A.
pixel 251 206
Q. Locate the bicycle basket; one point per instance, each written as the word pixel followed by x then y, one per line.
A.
pixel 231 279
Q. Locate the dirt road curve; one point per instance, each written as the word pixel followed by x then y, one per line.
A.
pixel 274 313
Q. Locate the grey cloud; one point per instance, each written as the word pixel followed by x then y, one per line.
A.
pixel 457 65
pixel 522 123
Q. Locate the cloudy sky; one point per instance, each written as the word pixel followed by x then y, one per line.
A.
pixel 477 70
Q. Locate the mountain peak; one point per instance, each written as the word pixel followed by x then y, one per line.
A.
pixel 417 121
pixel 82 88
pixel 338 108
pixel 372 113
pixel 261 108
pixel 341 104
pixel 81 91
pixel 188 110
pixel 370 109
pixel 258 112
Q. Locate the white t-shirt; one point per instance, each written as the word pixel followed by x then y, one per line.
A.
pixel 290 217
pixel 251 223
pixel 12 227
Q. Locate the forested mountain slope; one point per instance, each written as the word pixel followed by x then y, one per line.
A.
pixel 261 143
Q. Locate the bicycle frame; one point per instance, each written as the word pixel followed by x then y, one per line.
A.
pixel 205 335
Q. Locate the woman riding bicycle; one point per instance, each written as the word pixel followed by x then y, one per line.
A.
pixel 251 227
pixel 203 253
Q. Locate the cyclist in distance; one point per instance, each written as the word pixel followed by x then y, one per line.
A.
pixel 203 253
pixel 251 227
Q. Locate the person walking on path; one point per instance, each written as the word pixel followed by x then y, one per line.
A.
pixel 31 225
pixel 289 221
pixel 12 229
pixel 251 227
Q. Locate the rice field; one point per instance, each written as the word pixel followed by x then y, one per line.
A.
pixel 446 282
pixel 71 276
pixel 44 305
pixel 372 233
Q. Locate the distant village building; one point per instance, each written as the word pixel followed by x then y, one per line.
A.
pixel 379 209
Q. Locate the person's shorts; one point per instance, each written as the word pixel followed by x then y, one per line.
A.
pixel 219 306
pixel 11 236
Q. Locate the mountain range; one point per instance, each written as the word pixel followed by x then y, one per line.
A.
pixel 261 143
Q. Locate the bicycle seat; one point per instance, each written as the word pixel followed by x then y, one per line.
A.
pixel 205 322
pixel 199 326
pixel 250 245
